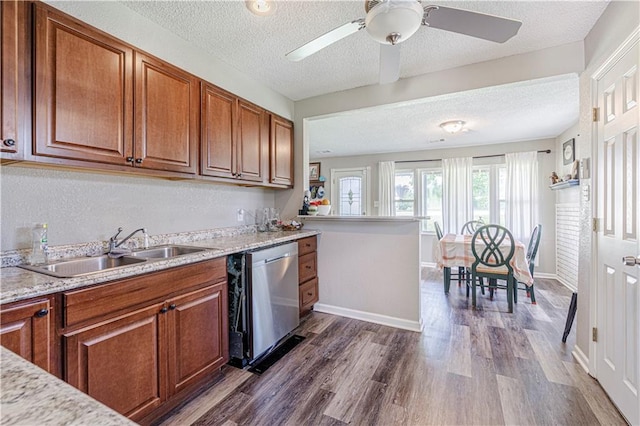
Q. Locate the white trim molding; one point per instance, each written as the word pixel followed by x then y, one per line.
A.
pixel 581 358
pixel 369 317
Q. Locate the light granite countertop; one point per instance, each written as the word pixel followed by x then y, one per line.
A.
pixel 31 396
pixel 19 284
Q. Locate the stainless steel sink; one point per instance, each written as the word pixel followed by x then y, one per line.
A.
pixel 84 266
pixel 166 252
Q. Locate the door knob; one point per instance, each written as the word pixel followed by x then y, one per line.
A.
pixel 631 260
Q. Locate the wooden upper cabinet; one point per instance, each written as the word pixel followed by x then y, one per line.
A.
pixel 166 116
pixel 281 152
pixel 25 328
pixel 234 136
pixel 251 141
pixel 14 80
pixel 83 91
pixel 217 153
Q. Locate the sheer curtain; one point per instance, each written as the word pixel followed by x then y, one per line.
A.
pixel 386 188
pixel 457 193
pixel 522 194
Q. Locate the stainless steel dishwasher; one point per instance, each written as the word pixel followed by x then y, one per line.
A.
pixel 272 296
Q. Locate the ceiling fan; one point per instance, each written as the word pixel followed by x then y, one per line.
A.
pixel 390 22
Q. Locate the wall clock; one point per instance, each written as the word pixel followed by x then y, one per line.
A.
pixel 568 153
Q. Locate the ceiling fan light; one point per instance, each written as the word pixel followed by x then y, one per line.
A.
pixel 453 126
pixel 403 17
pixel 261 7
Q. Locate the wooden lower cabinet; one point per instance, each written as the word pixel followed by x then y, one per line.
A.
pixel 119 362
pixel 26 329
pixel 144 358
pixel 307 273
pixel 198 343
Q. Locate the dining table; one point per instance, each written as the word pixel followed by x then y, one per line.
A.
pixel 454 250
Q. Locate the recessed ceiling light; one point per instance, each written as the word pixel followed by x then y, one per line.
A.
pixel 453 126
pixel 261 7
pixel 324 151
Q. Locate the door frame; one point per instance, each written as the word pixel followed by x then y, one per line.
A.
pixel 628 44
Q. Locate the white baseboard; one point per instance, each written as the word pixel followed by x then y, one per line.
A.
pixel 428 265
pixel 545 275
pixel 582 359
pixel 369 317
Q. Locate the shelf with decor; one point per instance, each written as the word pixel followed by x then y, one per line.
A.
pixel 565 184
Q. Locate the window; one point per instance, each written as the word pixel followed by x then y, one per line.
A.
pixel 431 198
pixel 351 194
pixel 424 196
pixel 405 193
pixel 489 201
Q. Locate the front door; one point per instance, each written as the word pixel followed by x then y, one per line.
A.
pixel 618 295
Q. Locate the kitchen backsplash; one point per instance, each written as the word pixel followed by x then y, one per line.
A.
pixel 94 248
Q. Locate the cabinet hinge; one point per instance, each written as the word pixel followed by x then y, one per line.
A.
pixel 595 114
pixel 594 224
pixel 594 334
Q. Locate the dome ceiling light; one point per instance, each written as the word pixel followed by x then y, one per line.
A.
pixel 453 126
pixel 261 7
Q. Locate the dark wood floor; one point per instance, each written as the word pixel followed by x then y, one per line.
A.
pixel 475 367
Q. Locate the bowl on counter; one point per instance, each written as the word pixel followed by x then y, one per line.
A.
pixel 324 210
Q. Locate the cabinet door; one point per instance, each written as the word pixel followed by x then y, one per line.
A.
pixel 281 152
pixel 121 362
pixel 251 131
pixel 166 116
pixel 83 91
pixel 217 156
pixel 14 113
pixel 198 335
pixel 25 329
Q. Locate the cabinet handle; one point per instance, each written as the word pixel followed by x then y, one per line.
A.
pixel 164 310
pixel 239 175
pixel 309 293
pixel 41 313
pixel 307 266
pixel 129 159
pixel 172 306
pixel 139 160
pixel 9 142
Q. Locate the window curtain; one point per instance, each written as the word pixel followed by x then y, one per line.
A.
pixel 457 193
pixel 522 194
pixel 386 188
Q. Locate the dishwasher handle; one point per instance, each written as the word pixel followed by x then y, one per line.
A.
pixel 275 259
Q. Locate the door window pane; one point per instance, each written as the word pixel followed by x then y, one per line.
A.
pixel 350 203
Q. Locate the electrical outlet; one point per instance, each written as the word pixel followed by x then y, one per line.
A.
pixel 240 215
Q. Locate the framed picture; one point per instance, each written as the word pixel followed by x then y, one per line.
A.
pixel 568 154
pixel 314 171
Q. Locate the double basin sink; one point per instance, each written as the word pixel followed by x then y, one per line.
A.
pixel 89 265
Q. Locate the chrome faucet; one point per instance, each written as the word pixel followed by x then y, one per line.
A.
pixel 114 243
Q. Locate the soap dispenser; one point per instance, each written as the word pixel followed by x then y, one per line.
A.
pixel 39 244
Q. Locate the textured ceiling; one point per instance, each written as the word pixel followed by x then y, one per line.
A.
pixel 525 111
pixel 256 46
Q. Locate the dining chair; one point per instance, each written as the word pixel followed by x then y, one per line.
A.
pixel 464 274
pixel 532 251
pixel 493 247
pixel 446 269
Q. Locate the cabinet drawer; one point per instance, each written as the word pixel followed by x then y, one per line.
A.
pixel 307 267
pixel 308 294
pixel 131 293
pixel 307 245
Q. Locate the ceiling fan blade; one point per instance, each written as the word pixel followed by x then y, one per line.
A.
pixel 389 63
pixel 325 40
pixel 474 24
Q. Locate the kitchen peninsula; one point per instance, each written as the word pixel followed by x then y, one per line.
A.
pixel 370 268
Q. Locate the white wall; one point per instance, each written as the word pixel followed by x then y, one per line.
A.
pixel 82 207
pixel 618 21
